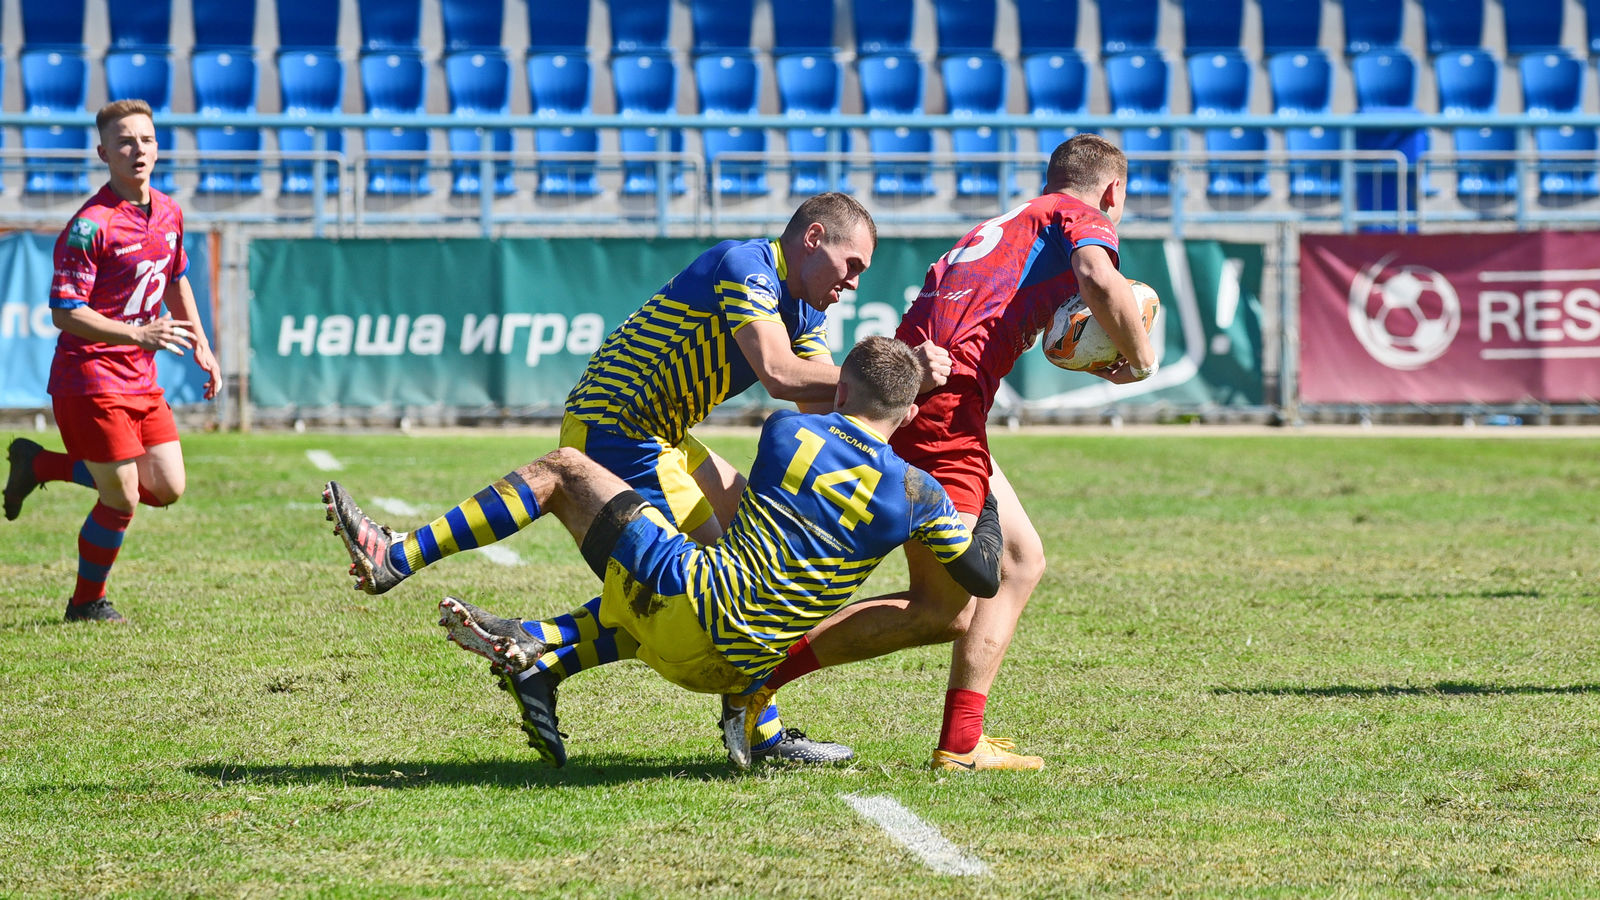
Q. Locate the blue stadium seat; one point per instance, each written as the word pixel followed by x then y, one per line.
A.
pixel 975 84
pixel 472 24
pixel 225 83
pixel 1047 26
pixel 557 26
pixel 396 82
pixel 646 83
pixel 1129 25
pixel 147 75
pixel 479 83
pixel 882 26
pixel 390 25
pixel 1552 84
pixel 891 84
pixel 1468 81
pixel 1290 25
pixel 310 82
pixel 306 24
pixel 52 24
pixel 1212 25
pixel 1219 84
pixel 1592 20
pixel 140 23
pixel 721 26
pixel 560 84
pixel 802 28
pixel 1057 85
pixel 1533 26
pixel 639 26
pixel 811 84
pixel 224 24
pixel 730 84
pixel 1302 82
pixel 965 26
pixel 1384 80
pixel 1372 25
pixel 1138 85
pixel 54 81
pixel 1453 24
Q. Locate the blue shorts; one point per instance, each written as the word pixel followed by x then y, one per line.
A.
pixel 661 473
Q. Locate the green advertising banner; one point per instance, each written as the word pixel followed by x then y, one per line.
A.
pixel 511 323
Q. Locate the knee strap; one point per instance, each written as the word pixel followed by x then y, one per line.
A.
pixel 607 526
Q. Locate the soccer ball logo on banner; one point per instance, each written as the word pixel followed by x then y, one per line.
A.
pixel 1405 316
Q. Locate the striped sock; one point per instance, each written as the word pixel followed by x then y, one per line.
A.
pixel 98 543
pixel 578 641
pixel 494 513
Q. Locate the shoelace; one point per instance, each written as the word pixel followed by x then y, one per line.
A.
pixel 999 743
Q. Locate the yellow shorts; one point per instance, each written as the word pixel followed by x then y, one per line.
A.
pixel 661 473
pixel 647 594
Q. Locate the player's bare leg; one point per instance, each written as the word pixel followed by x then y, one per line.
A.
pixel 161 474
pixel 722 485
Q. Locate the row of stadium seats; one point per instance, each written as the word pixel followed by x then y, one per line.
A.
pixel 479 82
pixel 722 26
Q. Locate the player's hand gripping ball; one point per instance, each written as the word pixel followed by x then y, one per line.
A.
pixel 1076 341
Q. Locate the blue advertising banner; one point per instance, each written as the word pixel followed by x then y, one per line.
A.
pixel 28 339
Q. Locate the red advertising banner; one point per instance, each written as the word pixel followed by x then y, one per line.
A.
pixel 1459 318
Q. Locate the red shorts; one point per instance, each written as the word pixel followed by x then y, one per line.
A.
pixel 105 428
pixel 949 439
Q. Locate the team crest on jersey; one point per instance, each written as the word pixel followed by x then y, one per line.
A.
pixel 81 234
pixel 172 240
pixel 759 284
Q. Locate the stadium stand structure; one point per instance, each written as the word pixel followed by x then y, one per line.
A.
pixel 722 26
pixel 1533 26
pixel 640 26
pixel 146 73
pixel 1302 84
pixel 1219 84
pixel 730 83
pixel 1129 25
pixel 558 26
pixel 646 83
pixel 225 84
pixel 472 24
pixel 1046 26
pixel 54 80
pixel 1453 24
pixel 1140 84
pixel 802 28
pixel 892 84
pixel 811 84
pixel 975 84
pixel 141 24
pixel 1212 25
pixel 395 82
pixel 307 25
pixel 1372 25
pixel 390 25
pixel 224 25
pixel 479 82
pixel 1468 81
pixel 965 26
pixel 52 24
pixel 1057 84
pixel 1553 83
pixel 883 26
pixel 559 84
pixel 310 81
pixel 1288 25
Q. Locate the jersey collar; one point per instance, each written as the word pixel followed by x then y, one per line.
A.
pixel 864 427
pixel 783 264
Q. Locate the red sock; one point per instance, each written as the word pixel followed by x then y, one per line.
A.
pixel 98 543
pixel 963 720
pixel 800 661
pixel 52 466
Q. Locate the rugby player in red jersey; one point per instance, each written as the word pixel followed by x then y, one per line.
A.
pixel 118 260
pixel 986 301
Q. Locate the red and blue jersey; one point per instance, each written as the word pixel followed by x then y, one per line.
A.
pixel 117 259
pixel 987 300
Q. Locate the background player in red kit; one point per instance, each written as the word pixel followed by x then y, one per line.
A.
pixel 986 301
pixel 117 261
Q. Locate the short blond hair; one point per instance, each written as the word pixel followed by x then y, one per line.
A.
pixel 118 110
pixel 885 374
pixel 1085 163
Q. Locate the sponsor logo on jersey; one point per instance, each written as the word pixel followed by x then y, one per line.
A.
pixel 123 251
pixel 758 284
pixel 172 240
pixel 81 234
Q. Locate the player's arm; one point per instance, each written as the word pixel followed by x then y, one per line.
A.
pixel 1110 300
pixel 978 569
pixel 84 322
pixel 181 303
pixel 767 347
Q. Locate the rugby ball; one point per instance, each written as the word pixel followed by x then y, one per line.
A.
pixel 1076 341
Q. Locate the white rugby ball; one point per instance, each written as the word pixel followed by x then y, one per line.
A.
pixel 1076 341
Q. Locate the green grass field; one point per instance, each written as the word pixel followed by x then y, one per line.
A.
pixel 1284 665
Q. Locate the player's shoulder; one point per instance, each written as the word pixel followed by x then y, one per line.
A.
pixel 98 208
pixel 164 202
pixel 751 255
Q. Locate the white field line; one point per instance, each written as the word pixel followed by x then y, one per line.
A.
pixel 910 832
pixel 504 556
pixel 324 460
pixel 396 507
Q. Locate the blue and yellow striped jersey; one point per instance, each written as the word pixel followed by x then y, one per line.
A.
pixel 664 368
pixel 827 500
